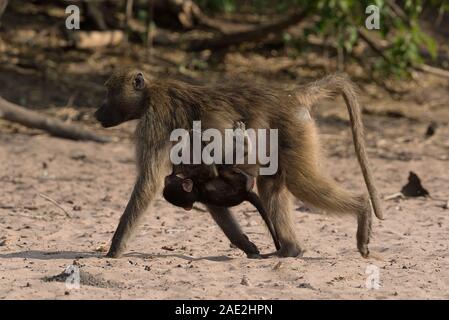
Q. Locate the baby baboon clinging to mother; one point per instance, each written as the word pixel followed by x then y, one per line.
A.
pixel 164 105
pixel 229 188
pixel 220 185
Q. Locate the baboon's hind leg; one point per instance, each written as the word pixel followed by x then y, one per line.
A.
pixel 276 200
pixel 307 181
pixel 312 187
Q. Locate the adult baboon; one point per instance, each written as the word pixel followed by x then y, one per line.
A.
pixel 164 105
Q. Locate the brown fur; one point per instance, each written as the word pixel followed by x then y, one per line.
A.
pixel 164 105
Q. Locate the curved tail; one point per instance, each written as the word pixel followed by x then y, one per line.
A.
pixel 327 87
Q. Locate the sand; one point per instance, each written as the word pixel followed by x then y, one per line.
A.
pixel 177 254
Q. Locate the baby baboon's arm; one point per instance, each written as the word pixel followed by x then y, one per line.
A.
pixel 226 221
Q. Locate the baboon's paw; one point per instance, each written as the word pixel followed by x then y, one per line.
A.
pixel 364 251
pixel 113 254
pixel 286 252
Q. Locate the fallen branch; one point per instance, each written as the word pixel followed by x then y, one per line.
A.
pixel 433 70
pixel 252 35
pixel 31 119
pixel 96 39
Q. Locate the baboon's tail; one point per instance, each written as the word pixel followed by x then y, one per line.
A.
pixel 327 87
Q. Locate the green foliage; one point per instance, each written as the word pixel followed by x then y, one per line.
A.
pixel 342 19
pixel 217 5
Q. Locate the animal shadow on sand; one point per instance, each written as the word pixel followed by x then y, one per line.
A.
pixel 55 255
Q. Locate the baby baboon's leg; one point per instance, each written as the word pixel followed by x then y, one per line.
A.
pixel 276 200
pixel 226 221
pixel 306 181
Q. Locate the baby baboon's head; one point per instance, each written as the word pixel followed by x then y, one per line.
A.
pixel 180 191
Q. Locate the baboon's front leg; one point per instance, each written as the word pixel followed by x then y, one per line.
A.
pixel 138 203
pixel 226 221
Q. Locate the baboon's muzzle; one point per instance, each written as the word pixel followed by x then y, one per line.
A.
pixel 105 117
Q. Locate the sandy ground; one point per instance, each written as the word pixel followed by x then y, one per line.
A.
pixel 177 254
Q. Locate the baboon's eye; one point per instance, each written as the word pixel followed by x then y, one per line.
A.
pixel 139 81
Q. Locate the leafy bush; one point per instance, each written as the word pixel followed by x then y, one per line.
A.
pixel 342 20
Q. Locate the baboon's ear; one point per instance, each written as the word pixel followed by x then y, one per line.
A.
pixel 139 81
pixel 187 185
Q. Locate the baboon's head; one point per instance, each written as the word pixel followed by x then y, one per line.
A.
pixel 180 191
pixel 126 98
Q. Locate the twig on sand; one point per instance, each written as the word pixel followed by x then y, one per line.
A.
pixel 55 203
pixel 397 195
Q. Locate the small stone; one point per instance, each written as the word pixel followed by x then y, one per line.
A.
pixel 278 265
pixel 244 281
pixel 101 248
pixel 305 285
pixel 446 205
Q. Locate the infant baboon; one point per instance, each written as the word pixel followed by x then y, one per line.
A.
pixel 229 188
pixel 220 185
pixel 165 105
